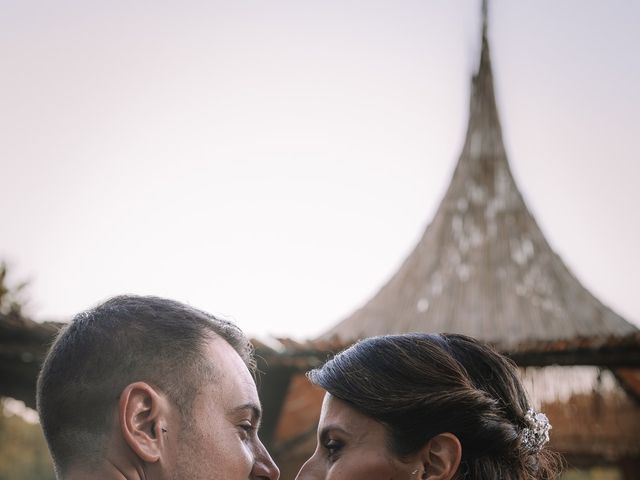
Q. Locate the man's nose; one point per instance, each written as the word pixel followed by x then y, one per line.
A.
pixel 264 467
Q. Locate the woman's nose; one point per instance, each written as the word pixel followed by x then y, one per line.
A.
pixel 305 472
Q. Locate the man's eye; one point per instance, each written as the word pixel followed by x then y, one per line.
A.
pixel 247 429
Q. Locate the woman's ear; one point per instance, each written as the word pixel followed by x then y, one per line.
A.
pixel 143 420
pixel 441 457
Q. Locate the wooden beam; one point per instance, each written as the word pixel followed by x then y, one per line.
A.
pixel 23 346
pixel 609 357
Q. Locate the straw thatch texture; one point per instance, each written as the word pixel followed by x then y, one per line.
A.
pixel 483 267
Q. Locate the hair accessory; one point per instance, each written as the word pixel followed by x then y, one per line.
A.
pixel 536 434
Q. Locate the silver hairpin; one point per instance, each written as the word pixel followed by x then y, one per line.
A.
pixel 536 434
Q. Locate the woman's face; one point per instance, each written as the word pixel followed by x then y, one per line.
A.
pixel 352 446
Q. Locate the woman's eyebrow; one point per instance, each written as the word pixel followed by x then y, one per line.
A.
pixel 324 433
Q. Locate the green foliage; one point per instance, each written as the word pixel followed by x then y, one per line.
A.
pixel 11 297
pixel 23 450
pixel 593 474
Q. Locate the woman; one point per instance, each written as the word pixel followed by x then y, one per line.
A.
pixel 422 406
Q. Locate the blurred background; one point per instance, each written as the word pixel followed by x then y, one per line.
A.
pixel 275 163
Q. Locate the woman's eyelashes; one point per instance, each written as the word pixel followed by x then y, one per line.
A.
pixel 333 447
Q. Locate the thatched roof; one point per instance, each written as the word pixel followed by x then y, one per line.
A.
pixel 483 267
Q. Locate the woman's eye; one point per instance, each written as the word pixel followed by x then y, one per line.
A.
pixel 333 447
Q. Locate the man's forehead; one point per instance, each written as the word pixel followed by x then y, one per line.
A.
pixel 232 377
pixel 220 352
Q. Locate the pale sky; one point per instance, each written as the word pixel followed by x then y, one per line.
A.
pixel 275 161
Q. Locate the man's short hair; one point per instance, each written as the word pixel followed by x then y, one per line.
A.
pixel 123 340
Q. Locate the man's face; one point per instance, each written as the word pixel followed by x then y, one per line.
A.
pixel 222 438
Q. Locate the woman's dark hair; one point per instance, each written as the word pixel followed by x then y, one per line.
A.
pixel 420 385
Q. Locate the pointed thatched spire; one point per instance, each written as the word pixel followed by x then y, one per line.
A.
pixel 483 267
pixel 485 18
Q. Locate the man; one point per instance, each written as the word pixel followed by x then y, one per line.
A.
pixel 149 388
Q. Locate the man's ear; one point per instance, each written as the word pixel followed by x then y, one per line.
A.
pixel 441 457
pixel 143 420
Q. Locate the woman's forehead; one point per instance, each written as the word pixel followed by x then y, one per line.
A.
pixel 338 413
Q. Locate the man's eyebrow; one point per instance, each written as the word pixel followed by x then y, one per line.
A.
pixel 254 408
